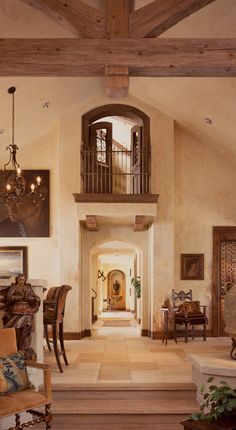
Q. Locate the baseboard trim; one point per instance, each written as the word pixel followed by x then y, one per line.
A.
pixel 72 335
pixel 86 333
pixel 144 332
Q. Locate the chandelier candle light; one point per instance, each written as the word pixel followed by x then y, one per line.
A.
pixel 13 183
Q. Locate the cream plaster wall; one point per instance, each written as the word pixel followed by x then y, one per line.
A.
pixel 196 186
pixel 43 253
pixel 205 197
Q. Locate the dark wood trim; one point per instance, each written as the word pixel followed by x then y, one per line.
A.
pixel 72 335
pixel 86 333
pixel 220 233
pixel 144 332
pixel 115 198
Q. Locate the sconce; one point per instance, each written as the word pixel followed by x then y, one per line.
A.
pixel 101 275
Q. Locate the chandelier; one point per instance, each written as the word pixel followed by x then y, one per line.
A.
pixel 14 186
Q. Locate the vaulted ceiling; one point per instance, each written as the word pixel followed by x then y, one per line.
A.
pixel 189 100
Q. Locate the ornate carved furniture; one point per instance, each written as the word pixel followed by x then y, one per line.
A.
pixel 188 314
pixel 17 395
pixel 21 304
pixel 53 315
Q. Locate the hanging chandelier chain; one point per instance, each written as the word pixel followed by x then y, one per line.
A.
pixel 14 187
pixel 13 119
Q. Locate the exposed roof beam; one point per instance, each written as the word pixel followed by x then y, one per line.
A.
pixel 146 57
pixel 139 223
pixel 159 15
pixel 91 223
pixel 74 15
pixel 116 27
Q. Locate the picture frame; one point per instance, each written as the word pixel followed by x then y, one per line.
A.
pixel 13 260
pixel 192 267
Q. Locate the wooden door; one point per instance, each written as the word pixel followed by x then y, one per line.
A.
pixel 136 160
pixel 224 272
pixel 99 159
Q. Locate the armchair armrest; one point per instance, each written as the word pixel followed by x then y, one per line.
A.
pixel 46 377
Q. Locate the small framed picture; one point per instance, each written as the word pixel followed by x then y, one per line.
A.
pixel 192 266
pixel 13 260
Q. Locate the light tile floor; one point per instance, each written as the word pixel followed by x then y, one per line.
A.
pixel 120 355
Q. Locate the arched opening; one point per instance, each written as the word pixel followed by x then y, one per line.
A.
pixel 115 150
pixel 115 263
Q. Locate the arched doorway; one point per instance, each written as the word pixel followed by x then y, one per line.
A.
pixel 115 163
pixel 116 289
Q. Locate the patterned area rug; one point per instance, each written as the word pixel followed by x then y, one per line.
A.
pixel 116 323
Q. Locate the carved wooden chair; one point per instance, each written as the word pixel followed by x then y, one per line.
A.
pixel 53 315
pixel 17 394
pixel 188 314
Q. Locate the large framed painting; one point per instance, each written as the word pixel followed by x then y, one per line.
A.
pixel 30 216
pixel 13 260
pixel 192 266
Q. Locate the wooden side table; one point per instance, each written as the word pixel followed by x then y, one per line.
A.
pixel 221 424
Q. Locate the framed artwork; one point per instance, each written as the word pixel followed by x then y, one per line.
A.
pixel 27 218
pixel 13 260
pixel 192 266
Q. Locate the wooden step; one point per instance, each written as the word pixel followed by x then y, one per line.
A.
pixel 122 406
pixel 115 391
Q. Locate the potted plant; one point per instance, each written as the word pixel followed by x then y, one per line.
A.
pixel 136 282
pixel 219 405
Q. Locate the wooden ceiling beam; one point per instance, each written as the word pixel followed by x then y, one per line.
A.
pixel 139 223
pixel 146 57
pixel 159 15
pixel 116 27
pixel 91 223
pixel 76 16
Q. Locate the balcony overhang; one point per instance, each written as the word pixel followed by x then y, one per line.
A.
pixel 137 210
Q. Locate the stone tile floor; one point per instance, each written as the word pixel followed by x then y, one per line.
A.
pixel 120 355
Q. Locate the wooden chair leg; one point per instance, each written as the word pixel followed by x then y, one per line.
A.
pixel 61 337
pixel 48 417
pixel 204 332
pixel 186 333
pixel 46 337
pixel 175 336
pixel 193 332
pixel 55 346
pixel 17 421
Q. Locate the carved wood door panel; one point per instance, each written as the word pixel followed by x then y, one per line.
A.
pixel 136 160
pixel 224 272
pixel 98 158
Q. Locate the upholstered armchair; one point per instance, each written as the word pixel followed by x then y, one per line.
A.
pixel 187 315
pixel 17 394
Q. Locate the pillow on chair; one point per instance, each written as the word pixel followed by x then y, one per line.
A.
pixel 190 307
pixel 13 374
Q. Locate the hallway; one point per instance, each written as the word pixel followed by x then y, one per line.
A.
pixel 119 355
